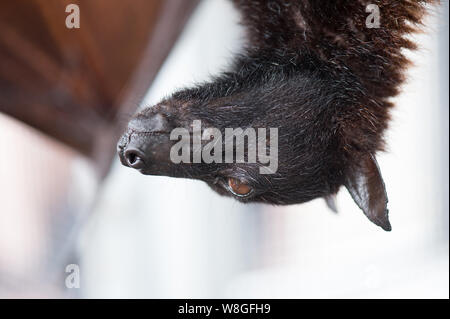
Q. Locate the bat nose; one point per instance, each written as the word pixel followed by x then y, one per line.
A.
pixel 130 153
pixel 144 145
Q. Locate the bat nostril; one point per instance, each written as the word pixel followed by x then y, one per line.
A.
pixel 134 158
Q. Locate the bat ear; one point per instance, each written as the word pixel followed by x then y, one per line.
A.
pixel 366 186
pixel 330 200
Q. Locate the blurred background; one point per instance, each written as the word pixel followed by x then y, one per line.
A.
pixel 65 97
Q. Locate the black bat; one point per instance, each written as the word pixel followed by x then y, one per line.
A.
pixel 322 73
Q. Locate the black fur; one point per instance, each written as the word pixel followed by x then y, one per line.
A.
pixel 313 70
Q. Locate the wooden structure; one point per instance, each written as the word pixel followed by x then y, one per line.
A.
pixel 76 84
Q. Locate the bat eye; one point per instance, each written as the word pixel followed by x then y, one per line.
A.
pixel 239 188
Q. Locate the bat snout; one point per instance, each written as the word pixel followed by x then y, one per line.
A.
pixel 145 146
